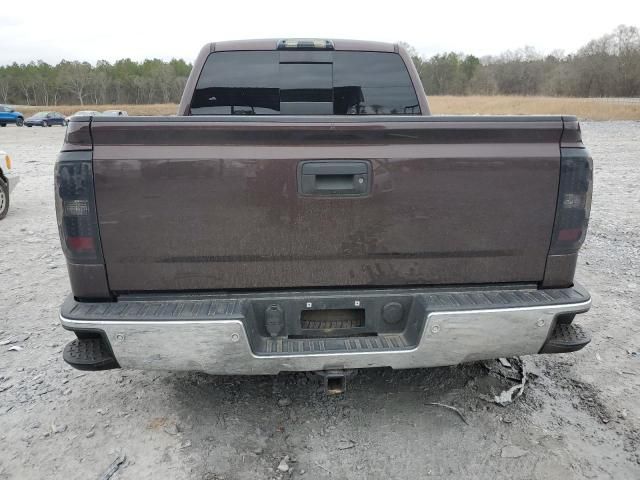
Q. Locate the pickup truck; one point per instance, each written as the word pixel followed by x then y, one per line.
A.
pixel 304 211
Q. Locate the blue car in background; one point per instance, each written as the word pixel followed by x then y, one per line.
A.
pixel 46 119
pixel 9 115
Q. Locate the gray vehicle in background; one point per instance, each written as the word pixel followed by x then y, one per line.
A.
pixel 305 212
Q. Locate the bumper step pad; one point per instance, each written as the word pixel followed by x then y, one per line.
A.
pixel 89 354
pixel 566 338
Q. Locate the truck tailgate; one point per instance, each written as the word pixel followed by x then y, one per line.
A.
pixel 202 203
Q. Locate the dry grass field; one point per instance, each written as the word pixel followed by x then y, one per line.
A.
pixel 584 108
pixel 156 109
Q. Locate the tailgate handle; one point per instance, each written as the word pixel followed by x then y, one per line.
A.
pixel 343 177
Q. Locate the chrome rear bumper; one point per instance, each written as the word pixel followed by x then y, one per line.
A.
pixel 221 340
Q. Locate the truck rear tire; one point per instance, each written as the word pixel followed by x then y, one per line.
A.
pixel 4 199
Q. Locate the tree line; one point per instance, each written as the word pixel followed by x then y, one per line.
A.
pixel 608 66
pixel 80 83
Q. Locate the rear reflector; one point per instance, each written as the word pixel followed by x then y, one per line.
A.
pixel 570 234
pixel 81 244
pixel 574 201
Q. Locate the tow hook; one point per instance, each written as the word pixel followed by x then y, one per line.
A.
pixel 335 381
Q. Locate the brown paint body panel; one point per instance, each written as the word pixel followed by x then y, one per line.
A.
pixel 560 270
pixel 88 280
pixel 212 203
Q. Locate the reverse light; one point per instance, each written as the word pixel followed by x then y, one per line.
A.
pixel 574 200
pixel 76 208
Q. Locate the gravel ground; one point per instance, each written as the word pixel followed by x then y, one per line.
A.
pixel 579 416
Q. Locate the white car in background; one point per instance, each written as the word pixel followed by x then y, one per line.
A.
pixel 84 113
pixel 7 183
pixel 115 113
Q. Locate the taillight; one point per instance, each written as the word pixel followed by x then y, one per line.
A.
pixel 76 209
pixel 574 201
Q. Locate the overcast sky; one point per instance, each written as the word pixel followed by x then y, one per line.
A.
pixel 112 29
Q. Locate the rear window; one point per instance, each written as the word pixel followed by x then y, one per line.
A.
pixel 322 83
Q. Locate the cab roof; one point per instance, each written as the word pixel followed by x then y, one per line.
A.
pixel 272 44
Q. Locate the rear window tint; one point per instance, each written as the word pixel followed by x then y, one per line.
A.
pixel 372 83
pixel 236 83
pixel 341 83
